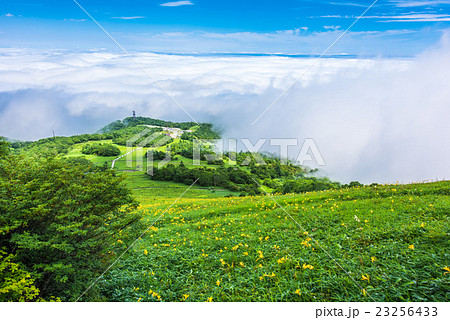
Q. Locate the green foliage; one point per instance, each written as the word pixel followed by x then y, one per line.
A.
pixel 203 131
pixel 355 184
pixel 4 148
pixel 307 185
pixel 127 135
pixel 58 145
pixel 130 122
pixel 113 126
pixel 157 155
pixel 61 220
pixel 102 150
pixel 16 284
pixel 156 122
pixel 231 178
pixel 275 170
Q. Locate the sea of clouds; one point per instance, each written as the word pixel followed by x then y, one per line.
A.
pixel 373 120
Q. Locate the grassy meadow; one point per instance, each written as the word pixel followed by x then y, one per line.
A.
pixel 392 241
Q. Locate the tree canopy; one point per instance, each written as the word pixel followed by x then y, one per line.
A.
pixel 60 221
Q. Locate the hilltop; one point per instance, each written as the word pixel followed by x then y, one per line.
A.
pixel 240 172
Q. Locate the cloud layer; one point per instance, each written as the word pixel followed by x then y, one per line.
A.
pixel 176 4
pixel 373 120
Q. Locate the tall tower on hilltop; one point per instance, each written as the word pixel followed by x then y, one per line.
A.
pixel 134 115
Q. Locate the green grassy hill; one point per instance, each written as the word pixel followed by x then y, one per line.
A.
pixel 382 243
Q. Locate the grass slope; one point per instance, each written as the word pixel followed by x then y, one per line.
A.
pixel 384 243
pixel 392 240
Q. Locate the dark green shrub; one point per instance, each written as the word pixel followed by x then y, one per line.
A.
pixel 61 221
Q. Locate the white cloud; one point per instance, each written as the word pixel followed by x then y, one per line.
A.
pixel 373 120
pixel 129 18
pixel 414 17
pixel 9 15
pixel 408 17
pixel 75 20
pixel 332 27
pixel 176 4
pixel 351 4
pixel 424 3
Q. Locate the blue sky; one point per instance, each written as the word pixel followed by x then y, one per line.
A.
pixel 391 27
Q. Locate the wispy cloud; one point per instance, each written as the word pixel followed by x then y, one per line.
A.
pixel 352 4
pixel 335 16
pixel 411 17
pixel 416 17
pixel 332 27
pixel 177 4
pixel 75 20
pixel 9 15
pixel 424 3
pixel 129 18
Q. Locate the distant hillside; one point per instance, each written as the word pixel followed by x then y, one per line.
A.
pixel 119 131
pixel 230 171
pixel 132 122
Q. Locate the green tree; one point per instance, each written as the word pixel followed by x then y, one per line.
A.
pixel 61 221
pixel 102 150
pixel 4 148
pixel 16 284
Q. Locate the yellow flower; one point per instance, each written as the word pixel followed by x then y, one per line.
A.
pixel 411 246
pixel 210 299
pixel 306 243
pixel 298 292
pixel 245 253
pixel 365 277
pixel 364 292
pixel 218 282
pixel 241 264
pixel 282 260
pixel 446 268
pixel 261 256
pixel 145 252
pixel 373 259
pixel 185 296
pixel 269 275
pixel 307 266
pixel 422 225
